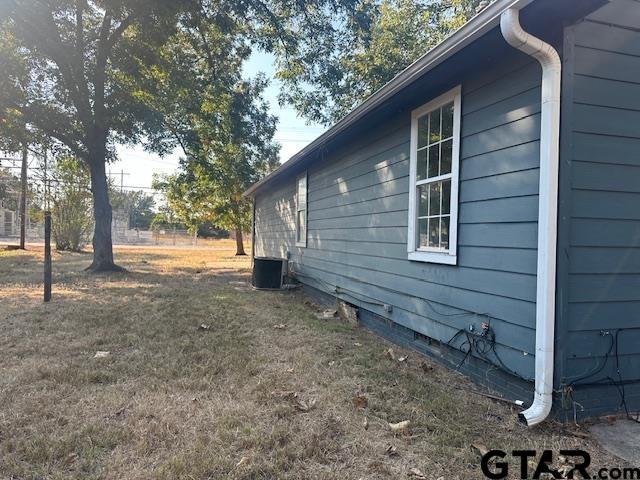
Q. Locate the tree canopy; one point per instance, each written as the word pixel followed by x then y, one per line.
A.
pixel 324 80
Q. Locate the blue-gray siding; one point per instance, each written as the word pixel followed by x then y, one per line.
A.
pixel 358 199
pixel 603 241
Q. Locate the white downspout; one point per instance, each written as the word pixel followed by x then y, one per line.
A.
pixel 548 209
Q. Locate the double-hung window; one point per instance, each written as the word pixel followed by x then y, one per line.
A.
pixel 433 193
pixel 301 210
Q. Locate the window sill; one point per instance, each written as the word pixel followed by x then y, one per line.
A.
pixel 301 244
pixel 433 257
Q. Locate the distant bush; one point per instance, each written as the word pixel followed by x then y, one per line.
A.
pixel 72 220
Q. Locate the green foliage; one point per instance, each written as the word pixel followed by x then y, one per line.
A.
pixel 224 128
pixel 327 79
pixel 70 199
pixel 72 68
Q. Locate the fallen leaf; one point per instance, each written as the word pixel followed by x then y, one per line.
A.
pixel 242 461
pixel 414 472
pixel 479 449
pixel 426 367
pixel 360 401
pixel 403 358
pixel 280 326
pixel 391 451
pixel 285 394
pixel 305 407
pixel 289 370
pixel 326 315
pixel 565 466
pixel 332 363
pixel 579 434
pixel 204 326
pixel 400 427
pixel 101 354
pixel 357 344
pixel 365 424
pixel 69 459
pixel 390 354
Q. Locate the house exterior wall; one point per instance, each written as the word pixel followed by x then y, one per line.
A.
pixel 599 245
pixel 358 209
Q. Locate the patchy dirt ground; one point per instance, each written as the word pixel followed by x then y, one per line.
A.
pixel 206 378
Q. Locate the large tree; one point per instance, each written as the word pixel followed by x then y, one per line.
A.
pixel 79 70
pixel 72 71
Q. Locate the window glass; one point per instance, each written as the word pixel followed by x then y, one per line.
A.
pixel 447 121
pixel 434 165
pixel 423 131
pixel 446 155
pixel 434 199
pixel 434 126
pixel 446 197
pixel 421 171
pixel 302 226
pixel 423 209
pixel 434 161
pixel 301 213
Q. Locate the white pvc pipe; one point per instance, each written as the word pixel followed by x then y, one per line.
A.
pixel 548 209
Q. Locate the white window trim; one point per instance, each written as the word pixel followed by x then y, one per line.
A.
pixel 432 255
pixel 303 242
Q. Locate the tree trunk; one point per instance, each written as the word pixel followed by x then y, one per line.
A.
pixel 102 244
pixel 239 242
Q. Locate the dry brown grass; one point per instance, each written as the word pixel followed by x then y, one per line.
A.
pixel 176 401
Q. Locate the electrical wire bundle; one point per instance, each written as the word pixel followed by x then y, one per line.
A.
pixel 608 381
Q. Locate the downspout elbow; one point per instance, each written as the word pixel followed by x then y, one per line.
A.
pixel 551 64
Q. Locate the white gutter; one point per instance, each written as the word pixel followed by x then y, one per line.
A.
pixel 548 209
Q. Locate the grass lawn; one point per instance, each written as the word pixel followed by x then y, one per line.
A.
pixel 232 400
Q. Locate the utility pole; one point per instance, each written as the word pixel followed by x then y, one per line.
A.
pixel 23 199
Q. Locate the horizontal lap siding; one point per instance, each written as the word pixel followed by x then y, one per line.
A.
pixel 604 238
pixel 357 228
pixel 275 231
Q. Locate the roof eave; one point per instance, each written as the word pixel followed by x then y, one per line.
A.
pixel 467 34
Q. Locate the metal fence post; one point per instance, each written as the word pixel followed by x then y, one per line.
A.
pixel 47 256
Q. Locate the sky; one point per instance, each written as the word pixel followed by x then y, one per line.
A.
pixel 293 134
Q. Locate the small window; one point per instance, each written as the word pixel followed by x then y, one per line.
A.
pixel 301 211
pixel 433 196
